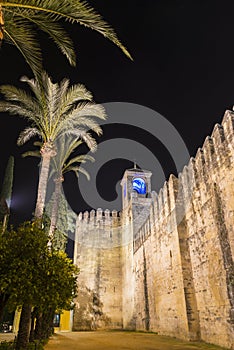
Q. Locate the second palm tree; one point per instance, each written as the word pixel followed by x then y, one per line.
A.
pixel 52 111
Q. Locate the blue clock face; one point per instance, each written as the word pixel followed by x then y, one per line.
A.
pixel 139 185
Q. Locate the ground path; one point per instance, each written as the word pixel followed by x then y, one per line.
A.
pixel 120 341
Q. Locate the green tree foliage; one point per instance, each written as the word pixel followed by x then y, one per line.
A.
pixel 32 275
pixel 22 253
pixel 21 19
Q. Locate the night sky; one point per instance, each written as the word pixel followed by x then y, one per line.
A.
pixel 183 68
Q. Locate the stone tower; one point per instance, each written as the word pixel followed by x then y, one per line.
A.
pixel 136 201
pixel 98 255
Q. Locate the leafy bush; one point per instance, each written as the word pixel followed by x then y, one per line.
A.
pixel 6 345
pixel 36 345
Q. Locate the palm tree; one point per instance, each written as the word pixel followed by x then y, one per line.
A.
pixel 21 19
pixel 61 164
pixel 52 110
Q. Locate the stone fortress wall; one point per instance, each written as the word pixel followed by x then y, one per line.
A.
pixel 166 264
pixel 98 255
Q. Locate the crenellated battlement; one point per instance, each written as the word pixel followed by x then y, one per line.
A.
pixel 99 228
pixel 176 195
pixel 99 214
pixel 228 125
pixel 165 263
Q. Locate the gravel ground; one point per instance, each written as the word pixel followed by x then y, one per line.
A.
pixel 120 341
pixel 7 336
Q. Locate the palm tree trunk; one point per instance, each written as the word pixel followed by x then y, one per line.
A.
pixel 44 325
pixel 32 328
pixel 47 152
pixel 41 192
pixel 3 301
pixel 38 328
pixel 24 327
pixel 4 224
pixel 54 215
pixel 47 324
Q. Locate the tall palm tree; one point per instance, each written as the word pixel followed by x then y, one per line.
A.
pixel 20 20
pixel 61 164
pixel 52 110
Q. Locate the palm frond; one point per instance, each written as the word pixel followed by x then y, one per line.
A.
pixel 73 95
pixel 84 135
pixel 69 10
pixel 38 144
pixel 27 134
pixel 15 109
pixel 8 107
pixel 22 35
pixel 80 159
pixel 52 95
pixel 89 109
pixel 46 96
pixel 62 162
pixel 21 101
pixel 68 103
pixel 57 33
pixel 35 86
pixel 77 170
pixel 43 110
pixel 80 127
pixel 82 118
pixel 68 146
pixel 35 153
pixel 84 172
pixel 88 123
pixel 12 93
pixel 90 141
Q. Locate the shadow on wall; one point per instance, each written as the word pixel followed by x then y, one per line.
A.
pixel 88 314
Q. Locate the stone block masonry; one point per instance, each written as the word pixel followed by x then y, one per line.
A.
pixel 98 255
pixel 165 263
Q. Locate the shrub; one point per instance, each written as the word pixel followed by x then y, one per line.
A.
pixel 7 345
pixel 11 345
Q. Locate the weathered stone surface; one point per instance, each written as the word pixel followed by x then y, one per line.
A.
pixel 166 264
pixel 98 254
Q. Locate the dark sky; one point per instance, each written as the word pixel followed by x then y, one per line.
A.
pixel 183 68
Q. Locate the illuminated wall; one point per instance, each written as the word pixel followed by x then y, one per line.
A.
pixel 165 264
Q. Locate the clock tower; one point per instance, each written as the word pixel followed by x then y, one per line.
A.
pixel 136 201
pixel 136 186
